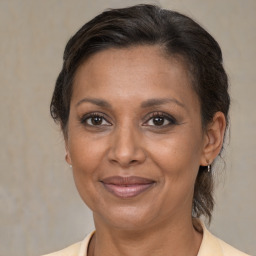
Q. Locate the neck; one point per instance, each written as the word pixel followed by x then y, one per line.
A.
pixel 177 238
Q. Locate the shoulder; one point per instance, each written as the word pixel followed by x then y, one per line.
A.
pixel 229 250
pixel 72 250
pixel 77 249
pixel 213 246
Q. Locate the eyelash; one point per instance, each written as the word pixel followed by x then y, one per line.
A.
pixel 89 116
pixel 171 120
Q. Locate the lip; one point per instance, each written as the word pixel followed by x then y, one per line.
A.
pixel 127 187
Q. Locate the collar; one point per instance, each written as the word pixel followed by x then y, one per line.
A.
pixel 210 245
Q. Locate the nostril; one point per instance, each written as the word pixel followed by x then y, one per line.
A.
pixel 125 149
pixel 124 162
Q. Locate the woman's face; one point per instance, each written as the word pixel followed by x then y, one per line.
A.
pixel 135 137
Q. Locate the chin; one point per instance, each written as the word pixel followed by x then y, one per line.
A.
pixel 126 217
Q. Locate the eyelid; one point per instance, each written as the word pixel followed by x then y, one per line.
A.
pixel 151 115
pixel 87 116
pixel 146 119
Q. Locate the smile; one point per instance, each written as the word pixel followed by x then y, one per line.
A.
pixel 127 187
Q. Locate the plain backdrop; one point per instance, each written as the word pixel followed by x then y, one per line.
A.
pixel 40 207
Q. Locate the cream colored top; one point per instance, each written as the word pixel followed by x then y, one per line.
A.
pixel 210 246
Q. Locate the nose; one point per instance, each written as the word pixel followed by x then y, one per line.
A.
pixel 126 147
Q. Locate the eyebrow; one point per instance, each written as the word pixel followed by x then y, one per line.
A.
pixel 144 104
pixel 98 102
pixel 161 101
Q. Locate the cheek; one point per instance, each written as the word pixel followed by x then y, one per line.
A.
pixel 177 153
pixel 86 152
pixel 87 156
pixel 178 162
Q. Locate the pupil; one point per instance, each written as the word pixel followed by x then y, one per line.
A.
pixel 96 120
pixel 158 121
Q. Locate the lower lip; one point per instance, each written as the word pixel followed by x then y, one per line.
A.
pixel 128 190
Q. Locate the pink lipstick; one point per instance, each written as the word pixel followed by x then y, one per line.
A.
pixel 126 187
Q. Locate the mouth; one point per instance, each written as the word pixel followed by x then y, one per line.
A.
pixel 127 187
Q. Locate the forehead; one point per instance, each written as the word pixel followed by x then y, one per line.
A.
pixel 140 56
pixel 130 73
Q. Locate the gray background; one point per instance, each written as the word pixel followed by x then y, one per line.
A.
pixel 40 208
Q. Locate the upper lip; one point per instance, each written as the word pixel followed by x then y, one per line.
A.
pixel 126 181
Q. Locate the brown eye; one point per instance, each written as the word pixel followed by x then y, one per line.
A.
pixel 96 120
pixel 158 121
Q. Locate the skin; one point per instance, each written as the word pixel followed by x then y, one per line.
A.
pixel 127 142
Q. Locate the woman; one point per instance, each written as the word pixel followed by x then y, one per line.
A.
pixel 142 100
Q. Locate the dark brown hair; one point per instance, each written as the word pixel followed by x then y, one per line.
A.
pixel 181 38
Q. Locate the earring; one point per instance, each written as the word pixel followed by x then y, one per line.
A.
pixel 209 168
pixel 70 166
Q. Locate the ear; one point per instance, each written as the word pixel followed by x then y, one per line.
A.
pixel 67 157
pixel 213 139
